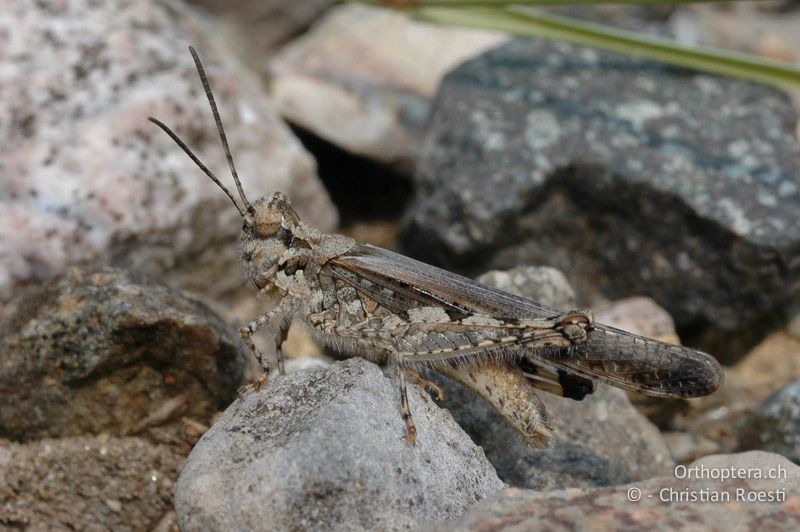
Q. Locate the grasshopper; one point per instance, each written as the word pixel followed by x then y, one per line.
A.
pixel 365 301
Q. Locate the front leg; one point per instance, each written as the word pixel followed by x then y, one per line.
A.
pixel 278 314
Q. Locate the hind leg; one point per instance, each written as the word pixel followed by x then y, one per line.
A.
pixel 411 429
pixel 421 381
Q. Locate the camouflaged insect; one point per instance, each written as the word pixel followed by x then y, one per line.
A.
pixel 365 301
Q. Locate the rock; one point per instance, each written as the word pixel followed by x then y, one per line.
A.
pixel 363 78
pixel 599 441
pixel 254 28
pixel 324 448
pixel 86 483
pixel 87 178
pixel 107 351
pixel 665 503
pixel 639 315
pixel 744 27
pixel 775 425
pixel 768 367
pixel 540 152
pixel 686 447
pixel 547 286
pixel 793 328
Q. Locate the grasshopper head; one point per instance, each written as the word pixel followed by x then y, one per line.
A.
pixel 270 239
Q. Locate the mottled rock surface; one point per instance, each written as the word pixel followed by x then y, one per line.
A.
pixel 548 153
pixel 775 425
pixel 768 29
pixel 547 286
pixel 363 78
pixel 106 351
pixel 599 441
pixel 324 448
pixel 254 28
pixel 86 177
pixel 639 315
pixel 87 483
pixel 770 366
pixel 659 506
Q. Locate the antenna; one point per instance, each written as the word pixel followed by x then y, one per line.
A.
pixel 197 161
pixel 221 131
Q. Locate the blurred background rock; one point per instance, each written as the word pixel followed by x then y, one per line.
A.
pixel 121 286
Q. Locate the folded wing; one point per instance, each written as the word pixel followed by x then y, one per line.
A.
pixel 611 355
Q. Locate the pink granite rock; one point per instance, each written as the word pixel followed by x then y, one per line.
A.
pixel 85 177
pixel 745 491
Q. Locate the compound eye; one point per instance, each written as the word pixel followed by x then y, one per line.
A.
pixel 266 222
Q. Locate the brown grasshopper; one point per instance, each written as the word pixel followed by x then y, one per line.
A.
pixel 365 301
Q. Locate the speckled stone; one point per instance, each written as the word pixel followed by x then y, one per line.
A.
pixel 85 176
pixel 87 483
pixel 664 503
pixel 323 449
pixel 256 28
pixel 547 286
pixel 600 441
pixel 775 425
pixel 107 351
pixel 632 177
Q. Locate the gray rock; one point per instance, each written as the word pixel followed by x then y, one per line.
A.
pixel 767 29
pixel 639 315
pixel 546 285
pixel 599 441
pixel 728 415
pixel 666 503
pixel 686 447
pixel 87 483
pixel 775 425
pixel 107 351
pixel 87 178
pixel 553 154
pixel 324 449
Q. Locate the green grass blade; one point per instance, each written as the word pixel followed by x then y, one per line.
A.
pixel 506 3
pixel 529 22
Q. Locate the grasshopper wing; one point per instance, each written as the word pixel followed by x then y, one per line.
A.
pixel 611 355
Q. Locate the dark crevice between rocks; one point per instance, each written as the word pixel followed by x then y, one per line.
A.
pixel 362 190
